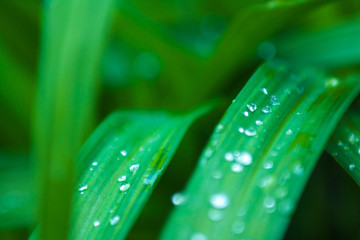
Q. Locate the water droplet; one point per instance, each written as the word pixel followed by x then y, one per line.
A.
pixel 124 187
pixel 209 152
pixel 94 163
pixel 123 153
pixel 219 200
pixel 244 158
pixel 353 139
pixel 178 199
pixel 289 132
pixel 96 223
pixel 219 128
pixel 215 215
pixel 83 187
pixel 229 156
pixel 217 174
pixel 281 192
pixel 134 168
pixel 238 227
pixel 266 181
pixel 114 220
pixel 269 202
pixel 286 206
pixel 241 130
pixel 351 167
pixel 266 109
pixel 250 132
pixel 252 107
pixel 242 211
pixel 331 82
pixel 258 122
pixel 274 100
pixel 236 168
pixel 298 170
pixel 246 113
pixel 198 236
pixel 264 91
pixel 122 178
pixel 268 165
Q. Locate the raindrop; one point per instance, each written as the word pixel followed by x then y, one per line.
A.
pixel 238 227
pixel 198 236
pixel 266 109
pixel 244 158
pixel 274 100
pixel 241 130
pixel 258 122
pixel 134 168
pixel 289 132
pixel 94 164
pixel 124 187
pixel 178 198
pixel 269 202
pixel 268 165
pixel 83 187
pixel 219 200
pixel 246 113
pixel 215 215
pixel 252 107
pixel 264 91
pixel 236 168
pixel 114 220
pixel 229 156
pixel 123 153
pixel 122 178
pixel 351 167
pixel 250 132
pixel 96 223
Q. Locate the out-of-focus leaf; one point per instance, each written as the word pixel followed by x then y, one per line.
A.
pixel 344 144
pixel 72 39
pixel 337 46
pixel 17 203
pixel 120 165
pixel 253 171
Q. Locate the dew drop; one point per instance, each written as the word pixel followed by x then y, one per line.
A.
pixel 289 132
pixel 215 215
pixel 134 168
pixel 246 113
pixel 268 165
pixel 331 82
pixel 178 199
pixel 83 187
pixel 250 132
pixel 252 107
pixel 114 220
pixel 298 170
pixel 241 130
pixel 264 91
pixel 219 128
pixel 96 223
pixel 208 153
pixel 266 109
pixel 258 122
pixel 281 192
pixel 219 200
pixel 124 187
pixel 244 158
pixel 286 206
pixel 238 227
pixel 269 202
pixel 123 153
pixel 353 139
pixel 274 100
pixel 95 164
pixel 198 236
pixel 236 168
pixel 229 156
pixel 122 178
pixel 351 167
pixel 266 181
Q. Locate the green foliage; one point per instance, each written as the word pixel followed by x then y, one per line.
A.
pixel 97 56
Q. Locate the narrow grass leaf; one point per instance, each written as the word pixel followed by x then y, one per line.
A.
pixel 253 171
pixel 72 39
pixel 344 144
pixel 120 165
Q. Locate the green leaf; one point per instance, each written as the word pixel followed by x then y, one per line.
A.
pixel 120 165
pixel 344 144
pixel 254 169
pixel 72 39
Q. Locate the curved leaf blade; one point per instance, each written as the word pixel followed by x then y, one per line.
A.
pixel 252 173
pixel 121 164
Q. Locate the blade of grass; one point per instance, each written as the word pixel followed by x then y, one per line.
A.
pixel 120 165
pixel 253 171
pixel 344 144
pixel 72 39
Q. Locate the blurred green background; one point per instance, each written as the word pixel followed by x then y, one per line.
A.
pixel 171 55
